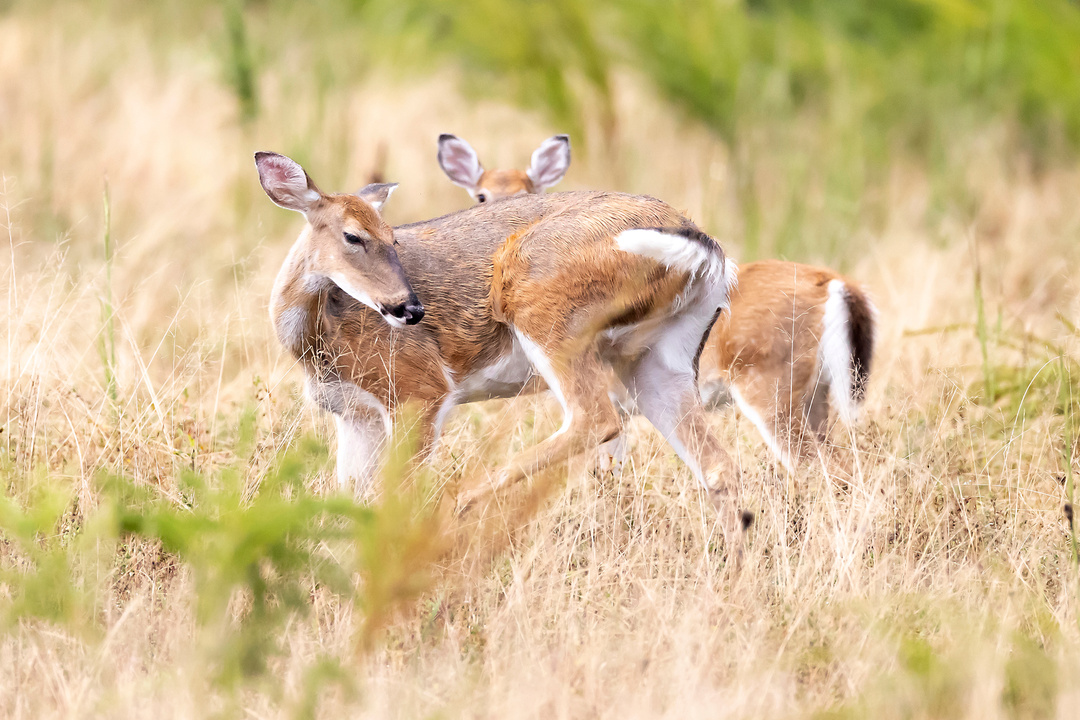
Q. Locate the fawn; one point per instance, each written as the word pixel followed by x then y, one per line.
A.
pixel 478 303
pixel 796 336
pixel 461 164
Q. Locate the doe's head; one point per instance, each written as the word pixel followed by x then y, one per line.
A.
pixel 461 164
pixel 346 240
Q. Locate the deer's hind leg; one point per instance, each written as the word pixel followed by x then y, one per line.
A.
pixel 589 418
pixel 836 454
pixel 663 385
pixel 786 421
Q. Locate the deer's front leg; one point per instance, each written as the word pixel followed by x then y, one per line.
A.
pixel 361 437
pixel 580 385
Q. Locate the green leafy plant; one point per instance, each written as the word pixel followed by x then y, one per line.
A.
pixel 255 560
pixel 241 61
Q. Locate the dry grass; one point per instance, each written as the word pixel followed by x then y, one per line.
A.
pixel 940 585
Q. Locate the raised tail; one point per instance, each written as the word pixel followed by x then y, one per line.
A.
pixel 847 347
pixel 681 248
pixel 713 275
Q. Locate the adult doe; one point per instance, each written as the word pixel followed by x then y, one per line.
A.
pixel 476 304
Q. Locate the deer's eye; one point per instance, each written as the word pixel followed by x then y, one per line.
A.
pixel 352 239
pixel 481 197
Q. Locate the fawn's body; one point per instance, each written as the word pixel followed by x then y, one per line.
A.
pixel 797 338
pixel 557 286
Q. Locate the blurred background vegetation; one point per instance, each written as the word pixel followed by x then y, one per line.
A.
pixel 841 90
pixel 908 76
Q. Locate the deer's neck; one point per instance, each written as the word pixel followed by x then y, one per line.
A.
pixel 295 300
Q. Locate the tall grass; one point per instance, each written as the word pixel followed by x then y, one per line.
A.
pixel 982 328
pixel 882 81
pixel 107 344
pixel 189 555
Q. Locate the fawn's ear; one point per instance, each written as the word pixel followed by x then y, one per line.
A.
pixel 286 183
pixel 459 161
pixel 550 162
pixel 376 194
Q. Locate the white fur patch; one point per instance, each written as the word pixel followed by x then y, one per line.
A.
pixel 360 296
pixel 672 250
pixel 363 424
pixel 503 378
pixel 542 363
pixel 342 397
pixel 393 321
pixel 676 347
pixel 359 444
pixel 313 283
pixel 290 324
pixel 731 279
pixel 448 404
pixel 834 353
pixel 448 376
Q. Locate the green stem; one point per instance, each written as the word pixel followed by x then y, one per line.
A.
pixel 107 346
pixel 982 330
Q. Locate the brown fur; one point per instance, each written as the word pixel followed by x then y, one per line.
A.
pixel 495 184
pixel 766 347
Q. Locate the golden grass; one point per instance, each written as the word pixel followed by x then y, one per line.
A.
pixel 939 586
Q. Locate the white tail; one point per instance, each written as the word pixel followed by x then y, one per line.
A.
pixel 501 305
pixel 835 352
pixel 671 249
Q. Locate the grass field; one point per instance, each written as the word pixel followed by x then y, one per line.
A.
pixel 171 542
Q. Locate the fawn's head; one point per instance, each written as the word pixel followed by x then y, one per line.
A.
pixel 346 241
pixel 459 161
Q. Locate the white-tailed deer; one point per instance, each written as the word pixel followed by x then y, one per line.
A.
pixel 558 286
pixel 459 161
pixel 797 336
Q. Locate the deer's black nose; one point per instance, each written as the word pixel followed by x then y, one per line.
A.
pixel 410 312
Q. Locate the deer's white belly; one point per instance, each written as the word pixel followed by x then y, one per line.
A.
pixel 503 378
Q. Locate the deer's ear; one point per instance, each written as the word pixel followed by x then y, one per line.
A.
pixel 376 194
pixel 550 162
pixel 285 182
pixel 459 161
